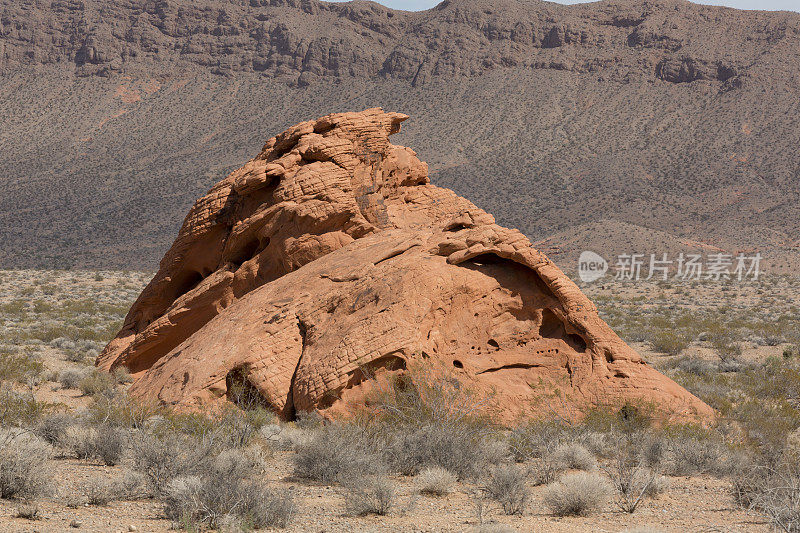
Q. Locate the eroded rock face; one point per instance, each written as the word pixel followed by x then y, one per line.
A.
pixel 330 256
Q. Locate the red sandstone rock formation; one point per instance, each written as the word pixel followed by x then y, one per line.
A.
pixel 330 256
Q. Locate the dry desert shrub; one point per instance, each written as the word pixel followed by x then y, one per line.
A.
pixel 122 375
pixel 21 408
pixel 80 440
pixel 687 456
pixel 633 471
pixel 19 367
pixel 99 491
pixel 23 465
pixel 507 486
pixel 429 420
pixel 71 378
pixel 122 411
pixel 337 452
pixel 670 341
pixel 162 459
pixel 96 383
pixel 52 428
pixel 216 497
pixel 110 445
pixel 573 456
pixel 286 437
pixel 452 447
pixel 368 495
pixel 131 485
pixel 578 493
pixel 773 491
pixel 534 439
pixel 435 481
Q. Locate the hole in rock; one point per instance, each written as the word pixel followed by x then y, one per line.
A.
pixel 456 227
pixel 551 327
pixel 578 342
pixel 367 371
pixel 457 363
pixel 187 282
pixel 489 259
pixel 249 250
pixel 242 393
pixel 493 343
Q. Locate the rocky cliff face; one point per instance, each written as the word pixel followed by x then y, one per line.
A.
pixel 330 259
pixel 300 40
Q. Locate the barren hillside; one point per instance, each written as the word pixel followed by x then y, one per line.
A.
pixel 670 117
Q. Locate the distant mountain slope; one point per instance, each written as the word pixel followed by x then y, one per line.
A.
pixel 661 114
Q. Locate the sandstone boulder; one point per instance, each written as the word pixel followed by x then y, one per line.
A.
pixel 330 258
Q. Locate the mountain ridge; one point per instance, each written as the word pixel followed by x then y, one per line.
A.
pixel 665 115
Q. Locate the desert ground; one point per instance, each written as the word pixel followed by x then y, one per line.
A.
pixel 732 344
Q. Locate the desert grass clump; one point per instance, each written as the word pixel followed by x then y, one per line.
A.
pixel 338 452
pixel 435 481
pixel 507 486
pixel 23 465
pixel 577 494
pixel 369 495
